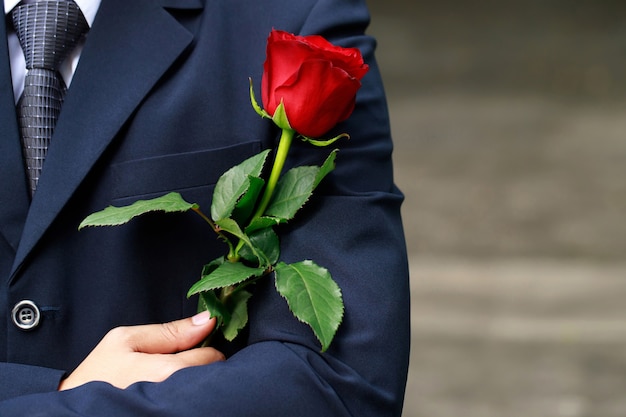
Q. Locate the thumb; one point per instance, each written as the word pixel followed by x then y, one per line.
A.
pixel 172 337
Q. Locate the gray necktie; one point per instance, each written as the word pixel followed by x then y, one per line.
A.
pixel 48 30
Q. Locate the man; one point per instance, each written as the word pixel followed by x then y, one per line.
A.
pixel 159 102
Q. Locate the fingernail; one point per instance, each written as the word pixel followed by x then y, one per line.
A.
pixel 201 318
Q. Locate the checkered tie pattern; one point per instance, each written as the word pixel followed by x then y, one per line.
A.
pixel 48 30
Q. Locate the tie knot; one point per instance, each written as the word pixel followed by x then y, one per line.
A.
pixel 48 30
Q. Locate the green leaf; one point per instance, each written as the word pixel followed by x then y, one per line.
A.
pixel 327 167
pixel 229 273
pixel 292 191
pixel 114 216
pixel 237 305
pixel 232 316
pixel 262 223
pixel 208 301
pixel 313 297
pixel 234 183
pixel 227 192
pixel 231 226
pixel 266 242
pixel 246 205
pixel 295 188
pixel 212 266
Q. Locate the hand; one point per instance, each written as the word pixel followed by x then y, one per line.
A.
pixel 146 353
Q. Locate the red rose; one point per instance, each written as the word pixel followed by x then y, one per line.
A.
pixel 316 80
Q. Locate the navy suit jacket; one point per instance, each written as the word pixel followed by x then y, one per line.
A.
pixel 160 103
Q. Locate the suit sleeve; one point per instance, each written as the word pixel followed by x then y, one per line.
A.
pixel 17 380
pixel 352 227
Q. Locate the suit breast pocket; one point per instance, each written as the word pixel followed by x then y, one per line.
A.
pixel 184 172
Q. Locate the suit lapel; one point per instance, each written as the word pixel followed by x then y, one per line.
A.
pixel 13 189
pixel 129 47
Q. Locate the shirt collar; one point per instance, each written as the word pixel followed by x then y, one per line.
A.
pixel 9 5
pixel 88 7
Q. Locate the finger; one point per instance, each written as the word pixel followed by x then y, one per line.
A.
pixel 159 367
pixel 199 356
pixel 172 337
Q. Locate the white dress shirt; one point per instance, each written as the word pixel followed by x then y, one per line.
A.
pixel 18 63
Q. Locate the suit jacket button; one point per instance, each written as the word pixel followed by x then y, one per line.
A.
pixel 25 315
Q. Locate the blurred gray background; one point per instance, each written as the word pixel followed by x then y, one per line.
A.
pixel 509 118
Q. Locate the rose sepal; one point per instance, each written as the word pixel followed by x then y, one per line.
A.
pixel 280 117
pixel 322 143
pixel 255 105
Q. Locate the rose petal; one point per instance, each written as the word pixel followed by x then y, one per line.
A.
pixel 321 96
pixel 316 80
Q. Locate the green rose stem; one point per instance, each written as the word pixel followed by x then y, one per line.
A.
pixel 216 229
pixel 284 144
pixel 286 138
pixel 225 293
